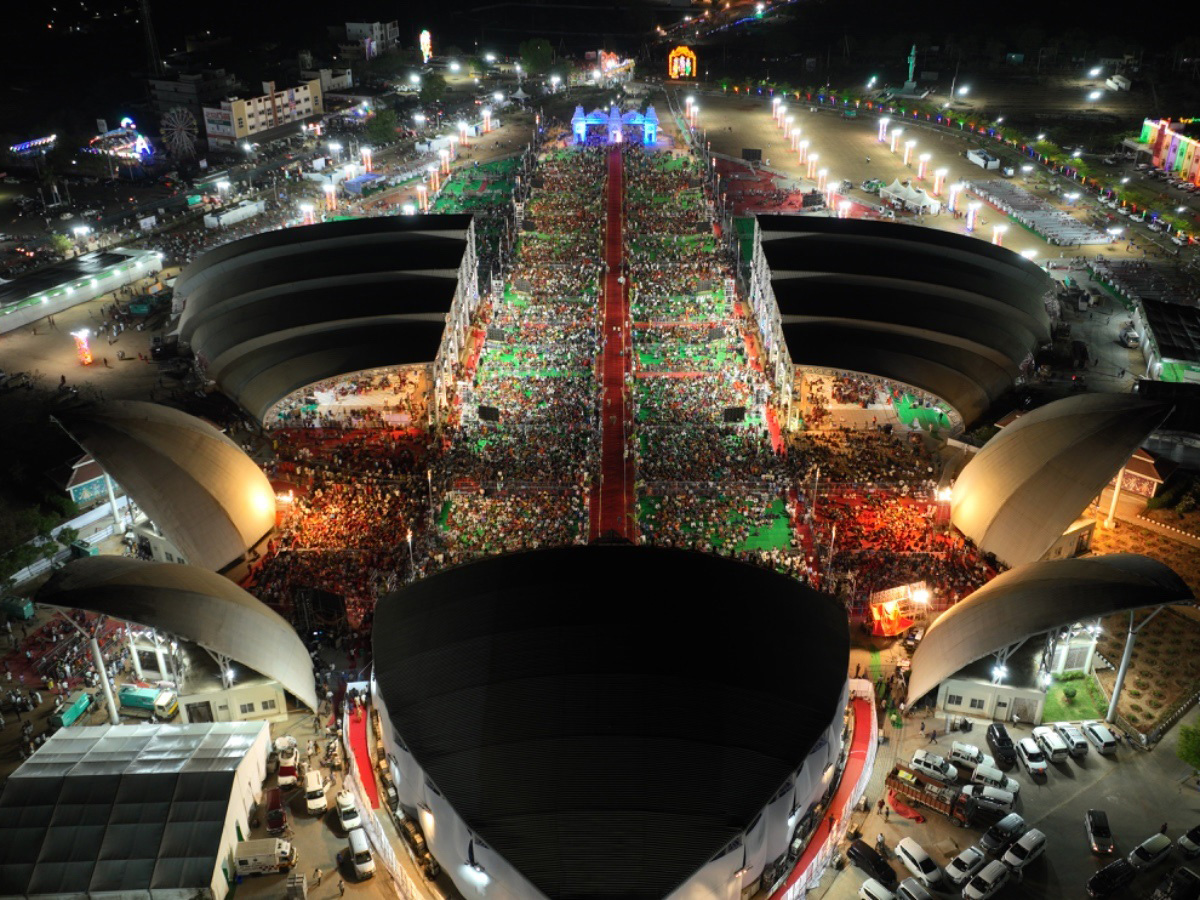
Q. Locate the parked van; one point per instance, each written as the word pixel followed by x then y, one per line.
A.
pixel 1099 734
pixel 934 766
pixel 315 800
pixel 991 798
pixel 1052 745
pixel 911 889
pixel 263 857
pixel 360 853
pixel 277 817
pixel 1073 738
pixel 994 778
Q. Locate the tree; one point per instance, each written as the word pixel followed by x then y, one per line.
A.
pixel 61 244
pixel 382 127
pixel 1188 748
pixel 536 55
pixel 433 88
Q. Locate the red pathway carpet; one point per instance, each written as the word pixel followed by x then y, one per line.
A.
pixel 841 799
pixel 612 506
pixel 362 756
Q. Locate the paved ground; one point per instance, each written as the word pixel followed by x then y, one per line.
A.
pixel 1139 790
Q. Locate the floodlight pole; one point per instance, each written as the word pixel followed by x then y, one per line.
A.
pixel 98 661
pixel 1112 507
pixel 1130 639
pixel 133 654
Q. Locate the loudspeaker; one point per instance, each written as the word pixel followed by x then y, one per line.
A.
pixel 734 414
pixel 488 413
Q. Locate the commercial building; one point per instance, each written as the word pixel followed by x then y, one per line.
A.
pixel 560 725
pixel 191 90
pixel 1170 148
pixel 239 119
pixel 369 39
pixel 132 811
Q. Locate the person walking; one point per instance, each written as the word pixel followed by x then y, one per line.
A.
pixel 933 736
pixel 317 875
pixel 341 888
pixel 887 810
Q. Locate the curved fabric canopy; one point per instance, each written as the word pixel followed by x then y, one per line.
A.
pixel 1033 599
pixel 910 253
pixel 964 374
pixel 951 315
pixel 195 604
pixel 210 499
pixel 1033 479
pixel 273 313
pixel 559 697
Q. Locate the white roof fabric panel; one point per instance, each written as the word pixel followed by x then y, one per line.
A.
pixel 202 607
pixel 95 827
pixel 1033 599
pixel 209 498
pixel 1017 496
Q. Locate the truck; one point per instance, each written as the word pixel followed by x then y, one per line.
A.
pixel 263 857
pixel 74 707
pixel 17 607
pixel 145 702
pixel 923 791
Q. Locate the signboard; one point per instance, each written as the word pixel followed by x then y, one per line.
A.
pixel 681 63
pixel 426 41
pixel 147 223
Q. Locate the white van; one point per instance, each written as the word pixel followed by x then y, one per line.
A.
pixel 263 856
pixel 911 889
pixel 933 766
pixel 314 794
pixel 994 778
pixel 1099 734
pixel 360 854
pixel 991 798
pixel 1052 744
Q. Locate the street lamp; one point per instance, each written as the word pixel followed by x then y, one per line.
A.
pixel 489 57
pixel 1095 95
pixel 554 82
pixel 454 66
pixel 1094 73
pixel 498 97
pixel 1041 137
pixel 414 78
pixel 964 90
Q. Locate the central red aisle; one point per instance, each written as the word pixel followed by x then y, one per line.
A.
pixel 362 756
pixel 613 503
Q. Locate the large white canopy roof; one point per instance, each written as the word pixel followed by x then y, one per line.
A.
pixel 210 499
pixel 195 604
pixel 1033 479
pixel 1033 599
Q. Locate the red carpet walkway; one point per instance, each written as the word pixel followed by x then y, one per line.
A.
pixel 841 799
pixel 612 507
pixel 362 757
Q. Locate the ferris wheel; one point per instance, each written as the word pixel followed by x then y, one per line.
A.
pixel 179 132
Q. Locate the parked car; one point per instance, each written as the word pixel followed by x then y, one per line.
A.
pixel 1027 848
pixel 1052 745
pixel 995 799
pixel 868 859
pixel 1073 738
pixel 911 889
pixel 1001 744
pixel 1150 852
pixel 969 756
pixel 1189 843
pixel 1101 737
pixel 960 869
pixel 873 890
pixel 1182 884
pixel 1095 823
pixel 1031 756
pixel 919 862
pixel 988 882
pixel 933 766
pixel 1111 878
pixel 990 776
pixel 997 838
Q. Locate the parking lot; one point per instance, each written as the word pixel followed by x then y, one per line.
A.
pixel 1140 790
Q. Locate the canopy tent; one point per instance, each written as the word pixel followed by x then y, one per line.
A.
pixel 195 604
pixel 1032 599
pixel 1017 496
pixel 910 197
pixel 131 810
pixel 210 499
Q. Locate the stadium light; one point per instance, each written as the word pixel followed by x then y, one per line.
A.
pixel 964 90
pixel 1095 95
pixel 454 66
pixel 1095 73
pixel 489 57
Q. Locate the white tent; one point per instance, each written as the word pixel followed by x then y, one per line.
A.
pixel 150 811
pixel 910 198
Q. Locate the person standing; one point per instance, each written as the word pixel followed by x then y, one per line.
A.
pixel 341 888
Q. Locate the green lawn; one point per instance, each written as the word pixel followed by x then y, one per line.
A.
pixel 1089 702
